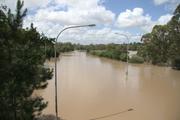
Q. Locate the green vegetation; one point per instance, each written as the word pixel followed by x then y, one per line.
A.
pixel 65 47
pixel 61 47
pixel 23 54
pixel 162 45
pixel 136 59
pixel 21 66
pixel 113 51
pixel 117 55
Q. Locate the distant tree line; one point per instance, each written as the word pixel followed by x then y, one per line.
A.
pixel 113 51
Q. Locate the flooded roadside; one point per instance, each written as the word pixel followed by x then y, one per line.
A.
pixel 90 87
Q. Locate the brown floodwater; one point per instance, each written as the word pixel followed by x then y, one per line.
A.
pixel 91 87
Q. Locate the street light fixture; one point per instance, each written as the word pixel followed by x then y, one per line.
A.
pixel 55 55
pixel 127 48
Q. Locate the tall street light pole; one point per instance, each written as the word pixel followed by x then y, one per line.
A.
pixel 127 48
pixel 55 55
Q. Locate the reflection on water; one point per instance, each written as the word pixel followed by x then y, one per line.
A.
pixel 91 87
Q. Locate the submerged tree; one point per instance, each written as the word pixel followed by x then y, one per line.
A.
pixel 21 67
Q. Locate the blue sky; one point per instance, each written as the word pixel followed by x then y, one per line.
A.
pixel 130 17
pixel 149 7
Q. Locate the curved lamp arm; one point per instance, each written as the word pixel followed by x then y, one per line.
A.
pixel 69 27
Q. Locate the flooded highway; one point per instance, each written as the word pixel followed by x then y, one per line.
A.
pixel 91 87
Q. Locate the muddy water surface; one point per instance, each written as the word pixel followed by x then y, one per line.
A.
pixel 90 87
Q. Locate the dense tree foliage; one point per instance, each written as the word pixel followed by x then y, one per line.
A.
pixel 162 45
pixel 21 67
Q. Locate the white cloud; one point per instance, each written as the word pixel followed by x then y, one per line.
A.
pixel 97 36
pixel 74 16
pixel 159 2
pixel 11 4
pixel 50 20
pixel 169 4
pixel 78 12
pixel 85 35
pixel 50 16
pixel 80 4
pixel 164 19
pixel 133 18
pixel 35 3
pixel 137 19
pixel 30 4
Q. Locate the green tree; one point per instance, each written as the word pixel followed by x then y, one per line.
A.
pixel 174 34
pixel 162 45
pixel 159 45
pixel 21 67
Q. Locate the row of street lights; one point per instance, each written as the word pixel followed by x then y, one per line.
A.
pixel 55 55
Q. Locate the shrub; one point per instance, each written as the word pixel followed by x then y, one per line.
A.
pixel 123 57
pixel 136 59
